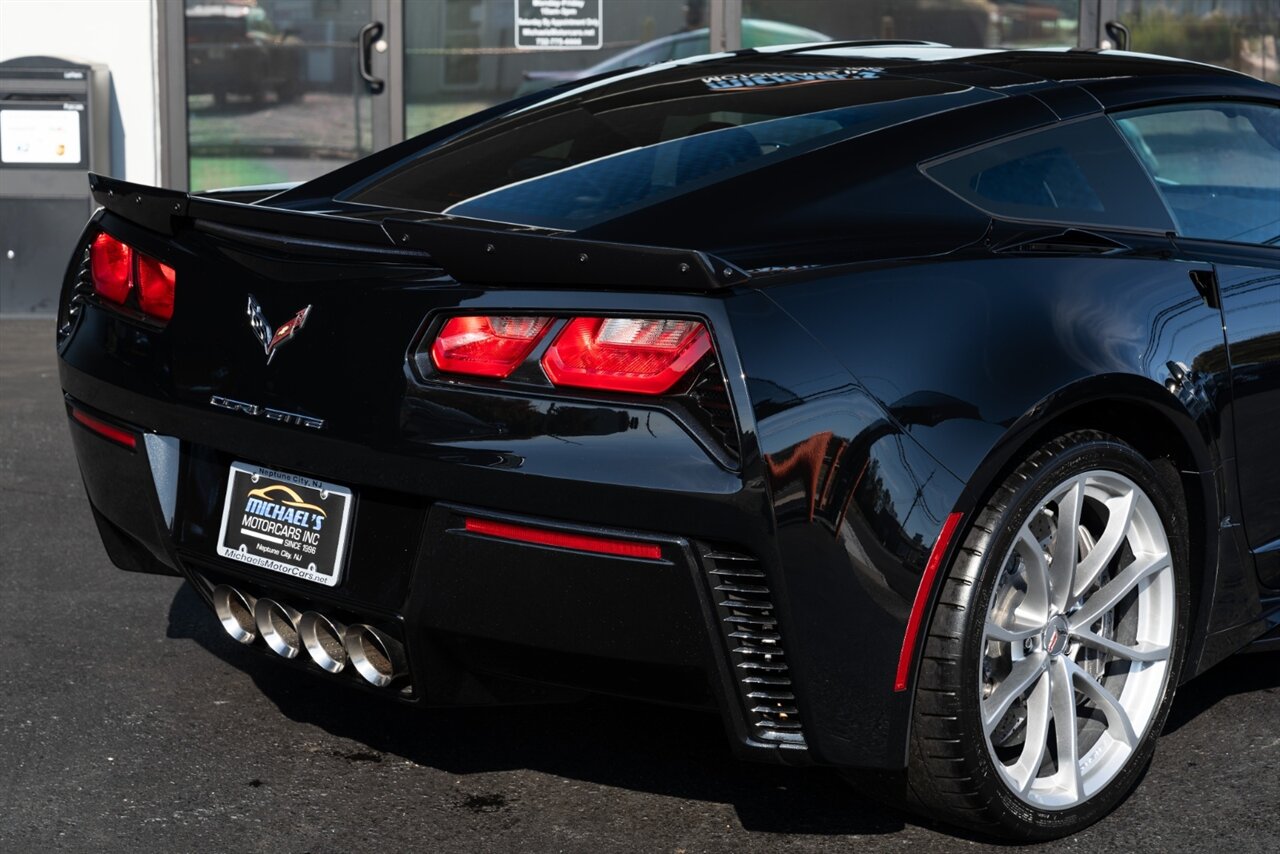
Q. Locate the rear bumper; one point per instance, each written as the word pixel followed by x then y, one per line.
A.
pixel 484 620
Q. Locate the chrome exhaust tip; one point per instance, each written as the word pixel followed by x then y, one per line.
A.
pixel 378 658
pixel 324 640
pixel 235 612
pixel 278 626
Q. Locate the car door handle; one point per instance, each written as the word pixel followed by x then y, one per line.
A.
pixel 369 34
pixel 1206 282
pixel 1119 34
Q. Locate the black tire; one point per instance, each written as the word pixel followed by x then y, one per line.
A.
pixel 952 775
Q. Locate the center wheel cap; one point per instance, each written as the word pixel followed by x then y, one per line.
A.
pixel 1056 636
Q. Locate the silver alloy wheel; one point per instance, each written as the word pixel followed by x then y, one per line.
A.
pixel 1077 640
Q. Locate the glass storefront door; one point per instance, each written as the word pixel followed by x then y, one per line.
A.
pixel 464 55
pixel 283 90
pixel 959 23
pixel 1239 34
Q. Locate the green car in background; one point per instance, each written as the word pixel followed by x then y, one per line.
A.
pixel 755 33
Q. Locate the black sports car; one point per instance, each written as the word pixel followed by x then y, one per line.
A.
pixel 914 408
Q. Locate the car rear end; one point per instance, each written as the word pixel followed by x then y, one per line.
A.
pixel 435 424
pixel 430 490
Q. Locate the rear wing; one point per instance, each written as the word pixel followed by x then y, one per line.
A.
pixel 475 251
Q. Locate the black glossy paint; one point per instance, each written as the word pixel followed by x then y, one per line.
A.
pixel 1248 281
pixel 856 505
pixel 889 352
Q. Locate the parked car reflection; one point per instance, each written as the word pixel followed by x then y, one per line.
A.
pixel 755 33
pixel 235 51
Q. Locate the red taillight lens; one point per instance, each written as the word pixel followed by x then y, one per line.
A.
pixel 626 354
pixel 486 346
pixel 155 287
pixel 117 267
pixel 111 263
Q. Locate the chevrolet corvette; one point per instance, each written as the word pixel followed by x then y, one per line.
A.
pixel 909 407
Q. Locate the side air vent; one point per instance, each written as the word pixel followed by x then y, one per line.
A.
pixel 709 392
pixel 749 624
pixel 81 288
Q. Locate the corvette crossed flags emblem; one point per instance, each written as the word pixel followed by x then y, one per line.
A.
pixel 262 330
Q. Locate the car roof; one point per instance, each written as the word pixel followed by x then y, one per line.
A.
pixel 986 94
pixel 1112 79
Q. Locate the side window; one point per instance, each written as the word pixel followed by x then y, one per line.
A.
pixel 1217 166
pixel 1076 174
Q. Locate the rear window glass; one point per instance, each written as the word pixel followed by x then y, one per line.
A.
pixel 1216 165
pixel 1078 174
pixel 580 159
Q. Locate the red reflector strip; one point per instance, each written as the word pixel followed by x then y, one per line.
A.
pixel 564 540
pixel 921 600
pixel 107 431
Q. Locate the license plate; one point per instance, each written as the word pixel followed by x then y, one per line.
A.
pixel 285 523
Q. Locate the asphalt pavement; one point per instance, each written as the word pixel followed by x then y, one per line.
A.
pixel 130 721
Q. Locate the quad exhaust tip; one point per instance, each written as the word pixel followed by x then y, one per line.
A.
pixel 235 612
pixel 378 658
pixel 278 625
pixel 324 640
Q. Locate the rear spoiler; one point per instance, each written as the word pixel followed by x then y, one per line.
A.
pixel 475 251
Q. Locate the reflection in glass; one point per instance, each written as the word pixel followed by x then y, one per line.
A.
pixel 589 158
pixel 960 23
pixel 1239 34
pixel 273 91
pixel 578 195
pixel 1231 194
pixel 461 55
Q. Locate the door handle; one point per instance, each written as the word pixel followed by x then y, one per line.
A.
pixel 1118 33
pixel 1206 282
pixel 369 34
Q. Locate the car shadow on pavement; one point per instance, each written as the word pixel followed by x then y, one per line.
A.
pixel 635 746
pixel 1240 674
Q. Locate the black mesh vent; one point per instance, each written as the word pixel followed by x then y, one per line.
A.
pixel 712 397
pixel 744 606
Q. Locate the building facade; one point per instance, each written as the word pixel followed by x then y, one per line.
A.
pixel 211 93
